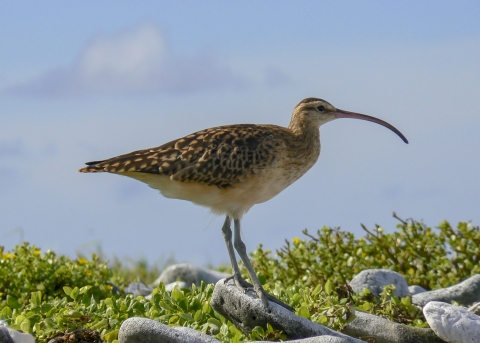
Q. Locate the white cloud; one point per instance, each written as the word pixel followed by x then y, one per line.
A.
pixel 134 61
pixel 130 57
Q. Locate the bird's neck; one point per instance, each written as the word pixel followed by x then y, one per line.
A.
pixel 306 138
pixel 304 129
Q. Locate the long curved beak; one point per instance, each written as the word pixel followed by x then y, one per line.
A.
pixel 346 114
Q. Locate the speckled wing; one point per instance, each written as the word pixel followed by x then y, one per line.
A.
pixel 220 156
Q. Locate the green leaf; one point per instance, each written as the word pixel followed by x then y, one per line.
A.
pixel 25 326
pixel 74 293
pixel 111 336
pixel 86 299
pixel 6 312
pixel 12 302
pixel 183 304
pixel 296 298
pixel 165 305
pixel 323 319
pixel 215 322
pixel 177 295
pixel 328 287
pixel 85 289
pixel 72 313
pixel 100 325
pixel 198 316
pixel 406 301
pixel 67 290
pixel 19 319
pixel 36 298
pixel 317 289
pixel 186 316
pixel 366 306
pixel 262 278
pixel 257 333
pixel 303 312
pixel 224 330
pixel 206 308
pixel 234 330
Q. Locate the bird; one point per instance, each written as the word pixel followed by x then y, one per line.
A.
pixel 230 168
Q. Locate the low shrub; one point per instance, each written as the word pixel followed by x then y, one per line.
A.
pixel 48 295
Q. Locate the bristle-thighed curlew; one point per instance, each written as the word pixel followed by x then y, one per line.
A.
pixel 231 168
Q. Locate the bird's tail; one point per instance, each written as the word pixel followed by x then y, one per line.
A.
pixel 92 167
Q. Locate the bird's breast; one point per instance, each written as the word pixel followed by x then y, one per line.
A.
pixel 260 185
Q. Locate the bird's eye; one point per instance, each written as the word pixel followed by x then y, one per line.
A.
pixel 321 108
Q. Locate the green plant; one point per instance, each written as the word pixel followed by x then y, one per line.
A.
pixel 26 269
pixel 47 295
pixel 431 258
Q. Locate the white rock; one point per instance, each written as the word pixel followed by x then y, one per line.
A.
pixel 315 339
pixel 144 330
pixel 414 289
pixel 376 279
pixel 19 337
pixel 8 335
pixel 464 293
pixel 179 284
pixel 452 323
pixel 138 288
pixel 246 311
pixel 189 274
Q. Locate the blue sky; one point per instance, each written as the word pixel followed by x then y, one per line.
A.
pixel 82 81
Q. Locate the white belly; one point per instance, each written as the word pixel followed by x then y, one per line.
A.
pixel 234 201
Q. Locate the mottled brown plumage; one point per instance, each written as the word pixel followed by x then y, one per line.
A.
pixel 231 168
pixel 221 156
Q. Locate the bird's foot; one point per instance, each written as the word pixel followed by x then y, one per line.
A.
pixel 240 282
pixel 263 296
pixel 266 297
pixel 245 286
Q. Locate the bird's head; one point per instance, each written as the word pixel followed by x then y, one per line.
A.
pixel 317 112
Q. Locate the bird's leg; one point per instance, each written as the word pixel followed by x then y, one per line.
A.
pixel 237 276
pixel 242 251
pixel 257 286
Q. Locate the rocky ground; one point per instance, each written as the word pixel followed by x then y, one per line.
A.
pixel 448 323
